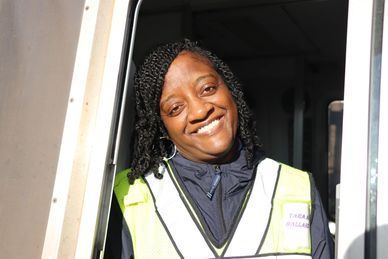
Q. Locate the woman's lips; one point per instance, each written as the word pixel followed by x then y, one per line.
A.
pixel 210 127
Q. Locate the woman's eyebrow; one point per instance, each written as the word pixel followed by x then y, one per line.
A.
pixel 162 102
pixel 199 79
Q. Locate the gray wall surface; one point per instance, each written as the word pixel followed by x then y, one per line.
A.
pixel 38 41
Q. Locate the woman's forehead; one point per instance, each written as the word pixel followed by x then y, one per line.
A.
pixel 189 66
pixel 195 56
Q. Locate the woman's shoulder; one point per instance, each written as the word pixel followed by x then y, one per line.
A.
pixel 268 164
pixel 130 193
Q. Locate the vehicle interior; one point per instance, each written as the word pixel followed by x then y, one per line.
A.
pixel 290 58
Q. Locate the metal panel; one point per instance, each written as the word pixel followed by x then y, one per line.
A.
pixel 355 132
pixel 38 41
pixel 120 144
pixel 382 197
pixel 373 130
pixel 85 143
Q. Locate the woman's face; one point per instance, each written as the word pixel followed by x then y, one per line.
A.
pixel 198 110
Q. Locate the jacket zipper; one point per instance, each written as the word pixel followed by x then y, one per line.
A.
pixel 215 181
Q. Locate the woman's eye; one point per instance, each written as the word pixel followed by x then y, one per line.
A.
pixel 209 90
pixel 175 110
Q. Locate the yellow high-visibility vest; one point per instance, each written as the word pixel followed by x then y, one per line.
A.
pixel 273 221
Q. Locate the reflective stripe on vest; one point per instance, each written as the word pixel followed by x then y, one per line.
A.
pixel 167 227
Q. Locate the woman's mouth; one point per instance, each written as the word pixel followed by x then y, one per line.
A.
pixel 209 127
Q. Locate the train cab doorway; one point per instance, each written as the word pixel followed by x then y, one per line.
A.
pixel 289 56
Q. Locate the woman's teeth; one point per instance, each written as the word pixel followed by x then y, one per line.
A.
pixel 209 127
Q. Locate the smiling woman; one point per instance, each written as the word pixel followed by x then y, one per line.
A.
pixel 177 83
pixel 198 110
pixel 216 195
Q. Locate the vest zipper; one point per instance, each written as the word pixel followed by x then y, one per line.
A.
pixel 215 181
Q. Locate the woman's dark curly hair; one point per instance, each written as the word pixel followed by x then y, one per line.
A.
pixel 149 80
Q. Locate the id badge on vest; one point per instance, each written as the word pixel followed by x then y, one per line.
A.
pixel 296 220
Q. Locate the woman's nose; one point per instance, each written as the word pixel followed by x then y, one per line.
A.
pixel 199 110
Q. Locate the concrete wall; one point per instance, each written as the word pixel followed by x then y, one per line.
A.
pixel 38 42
